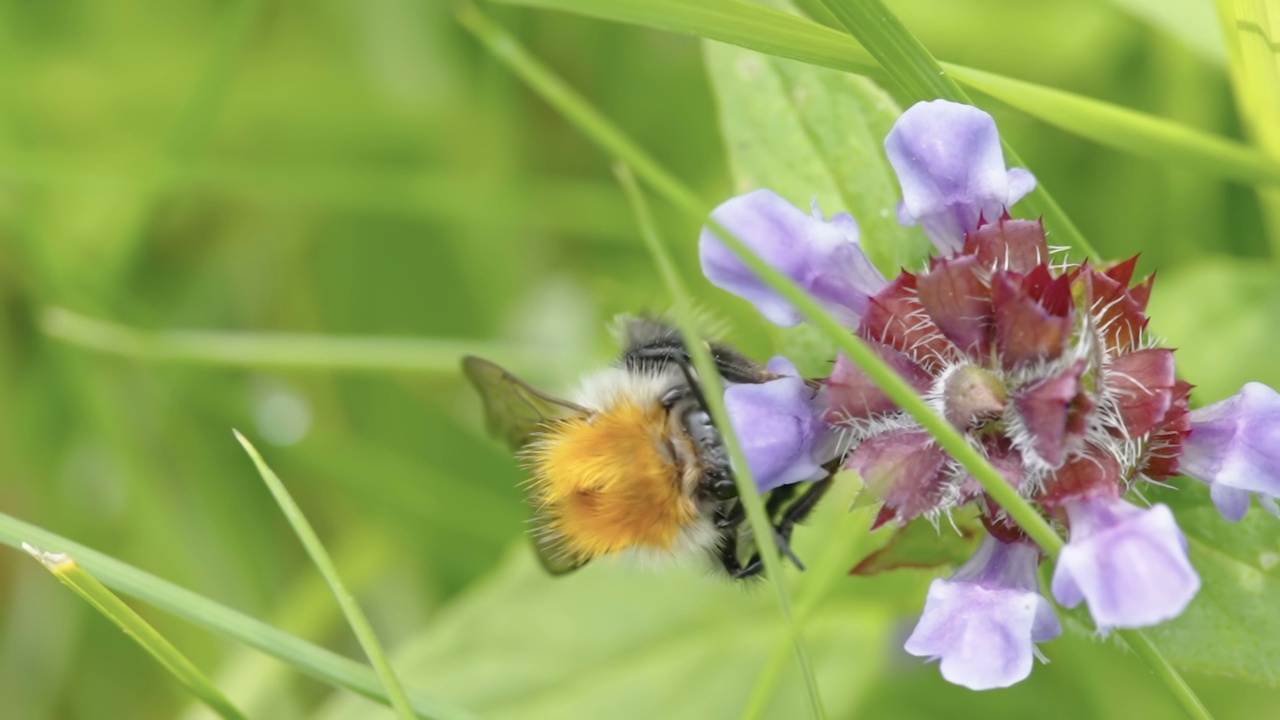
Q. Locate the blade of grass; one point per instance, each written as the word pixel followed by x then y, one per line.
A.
pixel 748 25
pixel 713 390
pixel 598 128
pixel 274 350
pixel 355 616
pixel 322 664
pixel 920 76
pixel 104 601
pixel 1252 30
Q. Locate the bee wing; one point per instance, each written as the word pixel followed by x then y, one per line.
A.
pixel 514 410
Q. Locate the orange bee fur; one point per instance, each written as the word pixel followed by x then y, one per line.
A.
pixel 610 481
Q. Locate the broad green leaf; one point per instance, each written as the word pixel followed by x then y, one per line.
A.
pixel 809 134
pixel 1231 627
pixel 813 134
pixel 1221 314
pixel 620 642
pixel 922 544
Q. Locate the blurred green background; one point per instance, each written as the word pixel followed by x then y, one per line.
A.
pixel 363 169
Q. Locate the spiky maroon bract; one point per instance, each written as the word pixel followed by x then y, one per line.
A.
pixel 1044 366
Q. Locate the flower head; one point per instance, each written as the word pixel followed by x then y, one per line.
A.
pixel 1128 563
pixel 984 622
pixel 779 426
pixel 949 162
pixel 821 255
pixel 1234 445
pixel 1044 366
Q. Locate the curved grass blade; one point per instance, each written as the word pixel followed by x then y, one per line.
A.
pixel 322 664
pixel 599 129
pixel 236 348
pixel 713 389
pixel 355 616
pixel 104 601
pixel 1252 30
pixel 749 25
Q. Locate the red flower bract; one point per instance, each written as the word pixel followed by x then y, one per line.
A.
pixel 1046 367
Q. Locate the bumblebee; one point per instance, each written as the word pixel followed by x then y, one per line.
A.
pixel 634 463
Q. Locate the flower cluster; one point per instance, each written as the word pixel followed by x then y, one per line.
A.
pixel 1044 365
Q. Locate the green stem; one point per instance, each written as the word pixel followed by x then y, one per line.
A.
pixel 1168 674
pixel 355 616
pixel 713 390
pixel 104 601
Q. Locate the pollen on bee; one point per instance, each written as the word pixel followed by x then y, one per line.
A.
pixel 607 482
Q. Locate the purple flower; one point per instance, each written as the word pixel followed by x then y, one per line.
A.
pixel 821 255
pixel 1234 446
pixel 779 426
pixel 951 169
pixel 985 620
pixel 1128 563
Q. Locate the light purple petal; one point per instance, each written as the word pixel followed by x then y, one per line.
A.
pixel 779 427
pixel 1129 564
pixel 951 169
pixel 983 623
pixel 1235 445
pixel 823 257
pixel 1021 183
pixel 1232 503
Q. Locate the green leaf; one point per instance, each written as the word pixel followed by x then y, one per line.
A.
pixel 1231 627
pixel 615 641
pixel 809 133
pixel 921 544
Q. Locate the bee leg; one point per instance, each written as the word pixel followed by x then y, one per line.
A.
pixel 732 518
pixel 796 513
pixel 784 546
pixel 729 557
pixel 751 569
pixel 777 499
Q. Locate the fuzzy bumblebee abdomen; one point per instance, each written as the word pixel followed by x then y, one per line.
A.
pixel 608 482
